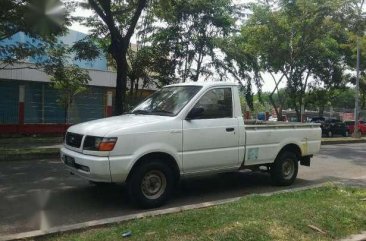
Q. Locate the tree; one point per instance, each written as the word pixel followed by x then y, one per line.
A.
pixel 69 81
pixel 242 64
pixel 116 22
pixel 190 30
pixel 299 41
pixel 151 64
pixel 40 20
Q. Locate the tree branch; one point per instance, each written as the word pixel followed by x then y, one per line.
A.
pixel 98 10
pixel 141 5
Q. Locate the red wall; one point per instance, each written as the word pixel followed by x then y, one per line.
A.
pixel 29 129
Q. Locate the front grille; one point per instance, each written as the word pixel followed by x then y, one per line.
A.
pixel 73 139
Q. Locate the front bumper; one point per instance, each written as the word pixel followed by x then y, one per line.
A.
pixel 93 168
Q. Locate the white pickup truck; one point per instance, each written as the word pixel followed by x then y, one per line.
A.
pixel 185 130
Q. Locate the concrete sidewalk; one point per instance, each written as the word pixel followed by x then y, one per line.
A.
pixel 29 148
pixel 342 140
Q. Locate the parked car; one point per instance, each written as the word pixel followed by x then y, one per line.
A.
pixel 350 125
pixel 185 130
pixel 317 119
pixel 333 127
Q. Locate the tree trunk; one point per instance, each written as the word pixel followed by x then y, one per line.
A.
pixel 275 107
pixel 280 117
pixel 131 85
pixel 298 114
pixel 321 111
pixel 119 44
pixel 121 84
pixel 65 114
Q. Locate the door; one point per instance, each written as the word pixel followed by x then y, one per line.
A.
pixel 210 136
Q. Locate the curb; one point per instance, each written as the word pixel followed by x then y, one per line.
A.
pixel 343 142
pixel 356 237
pixel 116 220
pixel 12 155
pixel 28 157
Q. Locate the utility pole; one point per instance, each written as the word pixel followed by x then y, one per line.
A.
pixel 356 133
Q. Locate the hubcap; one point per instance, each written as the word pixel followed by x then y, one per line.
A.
pixel 288 169
pixel 153 184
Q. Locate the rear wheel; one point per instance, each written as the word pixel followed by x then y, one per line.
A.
pixel 151 184
pixel 284 169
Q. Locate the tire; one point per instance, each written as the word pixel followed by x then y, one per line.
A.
pixel 284 169
pixel 151 184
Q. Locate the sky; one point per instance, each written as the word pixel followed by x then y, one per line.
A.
pixel 80 12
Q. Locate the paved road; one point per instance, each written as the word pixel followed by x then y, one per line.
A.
pixel 40 194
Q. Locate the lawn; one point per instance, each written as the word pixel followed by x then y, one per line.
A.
pixel 335 210
pixel 29 147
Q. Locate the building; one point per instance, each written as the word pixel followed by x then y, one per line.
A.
pixel 29 105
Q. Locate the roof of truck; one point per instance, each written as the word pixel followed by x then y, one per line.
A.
pixel 206 83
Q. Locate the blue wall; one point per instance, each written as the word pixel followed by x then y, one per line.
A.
pixel 41 100
pixel 41 103
pixel 70 38
pixel 9 97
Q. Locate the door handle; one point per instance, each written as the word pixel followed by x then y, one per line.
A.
pixel 230 129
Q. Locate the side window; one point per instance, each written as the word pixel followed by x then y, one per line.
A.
pixel 216 103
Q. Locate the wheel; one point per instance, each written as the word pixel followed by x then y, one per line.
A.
pixel 330 134
pixel 151 184
pixel 284 169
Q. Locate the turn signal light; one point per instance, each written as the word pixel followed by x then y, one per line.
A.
pixel 107 144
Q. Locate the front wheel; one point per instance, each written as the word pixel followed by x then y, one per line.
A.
pixel 151 184
pixel 284 169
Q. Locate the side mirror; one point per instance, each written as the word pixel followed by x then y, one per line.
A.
pixel 194 113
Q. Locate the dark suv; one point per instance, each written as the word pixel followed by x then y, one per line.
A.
pixel 333 127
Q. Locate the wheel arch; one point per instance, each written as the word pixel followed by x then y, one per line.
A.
pixel 160 156
pixel 294 148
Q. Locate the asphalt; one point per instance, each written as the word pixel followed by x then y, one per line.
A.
pixel 41 194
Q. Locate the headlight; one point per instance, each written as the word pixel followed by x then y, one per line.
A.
pixel 94 143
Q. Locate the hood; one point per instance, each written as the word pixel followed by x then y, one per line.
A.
pixel 113 125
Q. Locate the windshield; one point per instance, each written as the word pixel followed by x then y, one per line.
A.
pixel 167 101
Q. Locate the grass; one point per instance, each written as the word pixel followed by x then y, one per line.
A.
pixel 338 211
pixel 14 142
pixel 23 154
pixel 28 147
pixel 28 151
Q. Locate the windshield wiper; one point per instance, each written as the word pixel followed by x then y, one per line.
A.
pixel 163 112
pixel 153 112
pixel 142 112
